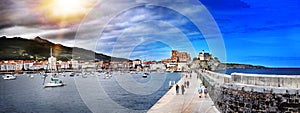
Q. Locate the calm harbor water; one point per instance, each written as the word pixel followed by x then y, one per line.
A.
pixel 28 95
pixel 274 71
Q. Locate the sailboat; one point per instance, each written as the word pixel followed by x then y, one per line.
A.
pixel 54 81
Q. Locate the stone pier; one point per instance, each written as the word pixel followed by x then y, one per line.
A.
pixel 187 103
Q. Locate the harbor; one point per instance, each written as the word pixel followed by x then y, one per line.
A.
pixel 26 94
pixel 171 86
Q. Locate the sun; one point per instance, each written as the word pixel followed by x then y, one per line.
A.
pixel 65 10
pixel 67 7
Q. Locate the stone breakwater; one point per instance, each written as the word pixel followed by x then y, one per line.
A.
pixel 243 98
pixel 253 92
pixel 287 81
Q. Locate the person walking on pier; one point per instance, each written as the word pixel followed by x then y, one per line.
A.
pixel 182 89
pixel 200 91
pixel 205 92
pixel 177 89
pixel 187 84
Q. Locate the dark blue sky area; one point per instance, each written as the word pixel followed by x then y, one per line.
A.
pixel 262 32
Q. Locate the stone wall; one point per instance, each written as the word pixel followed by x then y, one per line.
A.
pixel 252 92
pixel 288 81
pixel 248 99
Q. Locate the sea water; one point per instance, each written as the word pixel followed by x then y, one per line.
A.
pixel 27 94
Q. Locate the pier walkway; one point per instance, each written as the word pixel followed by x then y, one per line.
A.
pixel 187 103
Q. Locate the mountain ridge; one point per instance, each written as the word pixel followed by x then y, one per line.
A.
pixel 17 48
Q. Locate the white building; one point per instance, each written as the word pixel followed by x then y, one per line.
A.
pixel 52 61
pixel 137 62
pixel 157 66
pixel 3 67
pixel 204 56
pixel 75 64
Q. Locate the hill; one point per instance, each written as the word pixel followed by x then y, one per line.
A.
pixel 18 48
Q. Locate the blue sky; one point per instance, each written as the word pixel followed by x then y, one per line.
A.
pixel 259 32
pixel 264 32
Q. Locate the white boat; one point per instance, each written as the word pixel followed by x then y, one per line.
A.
pixel 9 77
pixel 72 74
pixel 145 75
pixel 55 82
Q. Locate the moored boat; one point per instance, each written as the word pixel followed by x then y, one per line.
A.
pixel 145 75
pixel 54 82
pixel 9 77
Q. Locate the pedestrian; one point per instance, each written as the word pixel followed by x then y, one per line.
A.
pixel 184 83
pixel 200 91
pixel 182 89
pixel 187 84
pixel 205 92
pixel 177 89
pixel 190 75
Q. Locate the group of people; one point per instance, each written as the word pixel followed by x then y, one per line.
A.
pixel 182 89
pixel 186 84
pixel 186 75
pixel 202 90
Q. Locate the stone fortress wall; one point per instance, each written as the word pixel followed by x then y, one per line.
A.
pixel 253 92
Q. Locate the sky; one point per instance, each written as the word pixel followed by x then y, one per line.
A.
pixel 244 31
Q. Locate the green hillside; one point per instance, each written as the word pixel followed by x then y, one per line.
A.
pixel 39 49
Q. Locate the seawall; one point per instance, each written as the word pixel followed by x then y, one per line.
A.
pixel 238 92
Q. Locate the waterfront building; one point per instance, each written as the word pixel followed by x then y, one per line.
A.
pixel 26 64
pixel 63 65
pixel 74 64
pixel 180 56
pixel 19 66
pixel 2 67
pixel 37 65
pixel 52 61
pixel 204 56
pixel 177 62
pixel 137 62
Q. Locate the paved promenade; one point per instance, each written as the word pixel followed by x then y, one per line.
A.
pixel 187 103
